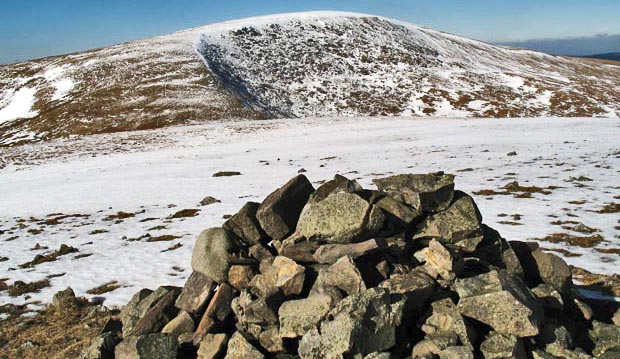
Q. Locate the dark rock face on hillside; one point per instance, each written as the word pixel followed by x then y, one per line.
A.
pixel 406 271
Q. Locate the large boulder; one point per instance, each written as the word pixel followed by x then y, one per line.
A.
pixel 500 301
pixel 360 324
pixel 459 224
pixel 149 346
pixel 341 217
pixel 213 254
pixel 279 212
pixel 427 192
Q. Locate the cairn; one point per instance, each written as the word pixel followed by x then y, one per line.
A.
pixel 404 271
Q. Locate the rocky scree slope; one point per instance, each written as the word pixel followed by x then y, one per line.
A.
pixel 405 271
pixel 293 65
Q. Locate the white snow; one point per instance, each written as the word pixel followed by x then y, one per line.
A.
pixel 145 172
pixel 18 105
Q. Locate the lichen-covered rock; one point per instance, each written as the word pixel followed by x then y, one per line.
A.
pixel 428 192
pixel 605 337
pixel 403 213
pixel 196 293
pixel 144 302
pixel 213 346
pixel 550 297
pixel 439 261
pixel 289 276
pixel 444 317
pixel 503 346
pixel 416 286
pixel 343 275
pixel 240 276
pixel 552 270
pixel 500 301
pixel 459 224
pixel 279 212
pixel 433 344
pixel 341 217
pixel 64 299
pixel 456 352
pixel 102 347
pixel 271 340
pixel 299 316
pixel 149 346
pixel 240 348
pixel 183 323
pixel 337 184
pixel 359 324
pixel 245 225
pixel 213 253
pixel 497 251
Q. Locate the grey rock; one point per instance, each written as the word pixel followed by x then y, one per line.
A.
pixel 552 270
pixel 183 323
pixel 196 292
pixel 140 305
pixel 213 253
pixel 331 253
pixel 213 346
pixel 416 286
pixel 102 347
pixel 245 225
pixel 605 337
pixel 341 217
pixel 550 297
pixel 503 346
pixel 456 352
pixel 395 209
pixel 616 317
pixel 377 355
pixel 209 200
pixel 271 340
pixel 64 299
pixel 444 317
pixel 459 224
pixel 428 192
pixel 240 348
pixel 500 301
pixel 299 316
pixel 343 275
pixel 254 311
pixel 359 324
pixel 149 346
pixel 279 212
pixel 433 344
pixel 439 261
pixel 338 184
pixel 497 251
pixel 554 335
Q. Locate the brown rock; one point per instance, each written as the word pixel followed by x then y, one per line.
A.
pixel 428 192
pixel 240 348
pixel 196 293
pixel 213 346
pixel 343 275
pixel 240 276
pixel 245 225
pixel 289 275
pixel 331 253
pixel 219 308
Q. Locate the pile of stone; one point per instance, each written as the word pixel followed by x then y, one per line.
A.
pixel 405 271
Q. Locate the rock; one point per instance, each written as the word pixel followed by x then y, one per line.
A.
pixel 554 335
pixel 397 210
pixel 377 355
pixel 580 310
pixel 432 345
pixel 209 200
pixel 213 346
pixel 102 347
pixel 502 346
pixel 271 340
pixel 160 313
pixel 444 317
pixel 279 212
pixel 149 346
pixel 616 318
pixel 64 299
pixel 605 337
pixel 612 353
pixel 302 252
pixel 299 316
pixel 549 296
pixel 459 224
pixel 259 252
pixel 440 262
pixel 213 253
pixel 330 253
pixel 338 184
pixel 251 311
pixel 196 293
pixel 551 270
pixel 456 352
pixel 183 323
pixel 289 275
pixel 343 275
pixel 417 286
pixel 497 251
pixel 142 303
pixel 359 324
pixel 240 348
pixel 240 276
pixel 245 225
pixel 500 301
pixel 218 310
pixel 137 307
pixel 428 192
pixel 340 218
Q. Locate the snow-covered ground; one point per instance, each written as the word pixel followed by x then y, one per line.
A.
pixel 153 174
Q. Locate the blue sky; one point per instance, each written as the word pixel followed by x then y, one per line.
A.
pixel 36 28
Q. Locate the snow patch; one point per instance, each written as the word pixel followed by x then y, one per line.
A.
pixel 19 105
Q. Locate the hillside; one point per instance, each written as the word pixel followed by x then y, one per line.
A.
pixel 293 65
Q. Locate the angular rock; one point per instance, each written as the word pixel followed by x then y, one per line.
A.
pixel 550 297
pixel 552 270
pixel 279 212
pixel 213 346
pixel 359 324
pixel 330 253
pixel 432 345
pixel 289 275
pixel 196 293
pixel 340 218
pixel 417 286
pixel 377 355
pixel 213 253
pixel 555 335
pixel 218 310
pixel 240 276
pixel 343 275
pixel 260 252
pixel 428 192
pixel 605 337
pixel 338 184
pixel 271 340
pixel 64 299
pixel 160 313
pixel 440 262
pixel 102 347
pixel 301 252
pixel 255 311
pixel 240 348
pixel 444 317
pixel 497 251
pixel 456 352
pixel 137 307
pixel 245 225
pixel 395 209
pixel 183 323
pixel 500 301
pixel 616 318
pixel 459 224
pixel 149 346
pixel 299 316
pixel 503 346
pixel 209 200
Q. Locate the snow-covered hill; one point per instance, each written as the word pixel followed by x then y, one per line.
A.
pixel 294 65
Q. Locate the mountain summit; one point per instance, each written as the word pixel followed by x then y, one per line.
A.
pixel 294 65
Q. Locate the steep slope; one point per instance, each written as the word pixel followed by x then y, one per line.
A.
pixel 293 65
